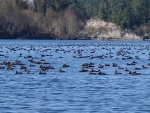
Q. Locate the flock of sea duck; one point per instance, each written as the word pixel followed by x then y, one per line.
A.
pixel 88 67
pixel 105 59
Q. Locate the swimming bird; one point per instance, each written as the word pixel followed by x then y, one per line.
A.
pixel 126 69
pixel 61 71
pixel 144 67
pixel 92 73
pixel 65 65
pixel 134 73
pixel 2 67
pixel 120 67
pixel 100 66
pixel 101 73
pixel 136 68
pixel 83 70
pixel 116 72
pixel 114 65
pixel 42 72
pixel 18 72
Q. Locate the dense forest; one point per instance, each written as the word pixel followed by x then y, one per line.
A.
pixel 66 18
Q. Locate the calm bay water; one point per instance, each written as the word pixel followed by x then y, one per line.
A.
pixel 74 91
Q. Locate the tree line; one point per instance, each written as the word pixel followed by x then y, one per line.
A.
pixel 40 19
pixel 125 13
pixel 66 18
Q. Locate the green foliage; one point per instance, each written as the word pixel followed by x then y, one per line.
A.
pixel 104 11
pixel 43 6
pixel 59 4
pixel 21 4
pixel 126 13
pixel 91 7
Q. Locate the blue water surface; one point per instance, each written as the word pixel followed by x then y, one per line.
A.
pixel 74 91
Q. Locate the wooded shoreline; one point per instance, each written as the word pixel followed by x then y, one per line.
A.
pixel 72 19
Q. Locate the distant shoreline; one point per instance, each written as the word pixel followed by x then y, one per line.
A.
pixel 75 39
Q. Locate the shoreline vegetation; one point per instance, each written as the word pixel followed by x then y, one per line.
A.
pixel 74 19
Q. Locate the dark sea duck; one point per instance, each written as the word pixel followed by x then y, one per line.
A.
pixel 83 70
pixel 65 65
pixel 17 72
pixel 116 72
pixel 134 73
pixel 101 73
pixel 61 71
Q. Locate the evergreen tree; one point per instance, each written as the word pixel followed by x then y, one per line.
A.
pixel 21 4
pixel 104 10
